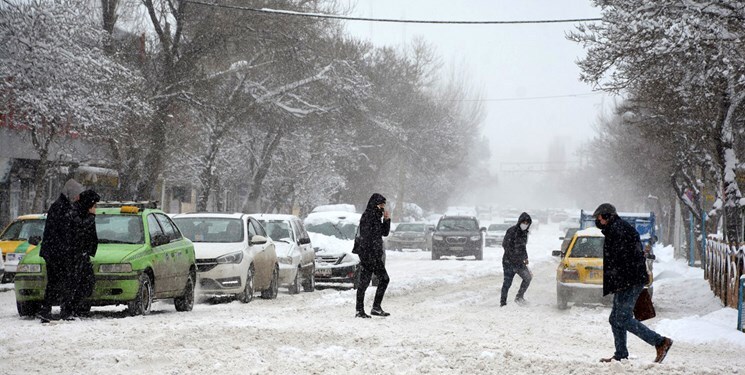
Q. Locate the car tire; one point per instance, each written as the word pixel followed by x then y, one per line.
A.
pixel 309 285
pixel 294 287
pixel 273 290
pixel 142 304
pixel 248 289
pixel 186 301
pixel 435 255
pixel 28 308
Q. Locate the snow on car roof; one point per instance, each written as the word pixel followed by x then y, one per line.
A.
pixel 590 232
pixel 236 215
pixel 335 217
pixel 335 207
pixel 272 216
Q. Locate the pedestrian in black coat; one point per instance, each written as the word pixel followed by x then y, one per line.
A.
pixel 55 249
pixel 624 276
pixel 374 224
pixel 515 258
pixel 85 244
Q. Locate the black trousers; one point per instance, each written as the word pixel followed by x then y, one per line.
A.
pixel 364 281
pixel 510 270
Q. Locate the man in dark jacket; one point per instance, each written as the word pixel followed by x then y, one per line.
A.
pixel 55 249
pixel 624 275
pixel 84 246
pixel 515 258
pixel 374 224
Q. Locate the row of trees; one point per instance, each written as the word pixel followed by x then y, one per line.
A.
pixel 679 132
pixel 285 110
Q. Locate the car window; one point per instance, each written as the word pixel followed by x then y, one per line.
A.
pixel 23 230
pixel 410 227
pixel 126 229
pixel 278 229
pixel 211 229
pixel 153 226
pixel 302 233
pixel 587 247
pixel 168 228
pixel 457 224
pixel 254 229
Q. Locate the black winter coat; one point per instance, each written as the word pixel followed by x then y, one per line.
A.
pixel 624 264
pixel 85 238
pixel 372 230
pixel 515 242
pixel 57 237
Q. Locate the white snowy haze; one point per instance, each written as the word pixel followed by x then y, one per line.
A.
pixel 537 110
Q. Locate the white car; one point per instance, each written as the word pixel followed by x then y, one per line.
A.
pixel 332 234
pixel 495 233
pixel 295 254
pixel 234 254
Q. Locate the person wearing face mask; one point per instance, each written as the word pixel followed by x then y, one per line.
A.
pixel 374 224
pixel 515 258
pixel 624 276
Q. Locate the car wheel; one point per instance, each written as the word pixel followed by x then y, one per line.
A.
pixel 248 290
pixel 310 282
pixel 273 290
pixel 28 308
pixel 435 256
pixel 186 302
pixel 295 286
pixel 144 300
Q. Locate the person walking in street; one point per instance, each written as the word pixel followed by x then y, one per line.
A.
pixel 84 246
pixel 375 223
pixel 55 249
pixel 515 258
pixel 624 276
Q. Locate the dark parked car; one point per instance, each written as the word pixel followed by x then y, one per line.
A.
pixel 459 236
pixel 410 236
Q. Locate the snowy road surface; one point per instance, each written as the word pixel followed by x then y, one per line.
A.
pixel 445 319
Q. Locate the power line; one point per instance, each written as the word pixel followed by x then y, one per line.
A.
pixel 527 98
pixel 280 12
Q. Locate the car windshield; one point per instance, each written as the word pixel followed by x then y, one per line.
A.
pixel 457 224
pixel 125 229
pixel 341 231
pixel 22 230
pixel 210 229
pixel 587 247
pixel 279 230
pixel 410 228
pixel 498 227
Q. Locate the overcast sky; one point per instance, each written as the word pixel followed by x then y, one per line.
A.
pixel 512 63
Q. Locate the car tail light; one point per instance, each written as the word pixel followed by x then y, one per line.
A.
pixel 569 274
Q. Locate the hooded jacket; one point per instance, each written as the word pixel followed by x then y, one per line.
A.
pixel 624 264
pixel 57 238
pixel 372 230
pixel 515 242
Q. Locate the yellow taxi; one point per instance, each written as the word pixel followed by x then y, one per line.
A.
pixel 18 238
pixel 579 276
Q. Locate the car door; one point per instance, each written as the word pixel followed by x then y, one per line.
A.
pixel 263 271
pixel 176 253
pixel 307 255
pixel 163 282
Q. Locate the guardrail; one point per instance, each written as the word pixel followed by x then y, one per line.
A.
pixel 724 268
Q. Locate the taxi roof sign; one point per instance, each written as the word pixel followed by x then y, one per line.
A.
pixel 129 210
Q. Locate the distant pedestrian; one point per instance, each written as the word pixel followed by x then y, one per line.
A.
pixel 374 224
pixel 624 276
pixel 515 258
pixel 55 249
pixel 84 246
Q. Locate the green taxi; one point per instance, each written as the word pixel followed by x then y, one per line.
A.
pixel 141 256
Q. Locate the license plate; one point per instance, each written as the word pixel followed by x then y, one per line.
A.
pixel 456 248
pixel 323 272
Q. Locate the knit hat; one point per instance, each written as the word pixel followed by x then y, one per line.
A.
pixel 72 188
pixel 604 209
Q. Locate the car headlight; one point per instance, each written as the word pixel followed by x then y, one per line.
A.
pixel 115 268
pixel 285 260
pixel 28 268
pixel 475 238
pixel 235 257
pixel 437 238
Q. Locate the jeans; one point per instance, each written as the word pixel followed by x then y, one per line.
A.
pixel 622 320
pixel 510 269
pixel 365 278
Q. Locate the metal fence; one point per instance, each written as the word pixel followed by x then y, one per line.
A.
pixel 724 267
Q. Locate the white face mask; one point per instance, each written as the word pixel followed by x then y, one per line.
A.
pixel 524 226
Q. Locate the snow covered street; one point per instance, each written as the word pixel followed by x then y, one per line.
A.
pixel 445 319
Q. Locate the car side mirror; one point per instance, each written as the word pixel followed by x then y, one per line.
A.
pixel 159 239
pixel 258 240
pixel 483 229
pixel 556 253
pixel 34 240
pixel 304 241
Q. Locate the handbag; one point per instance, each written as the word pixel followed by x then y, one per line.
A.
pixel 644 309
pixel 356 247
